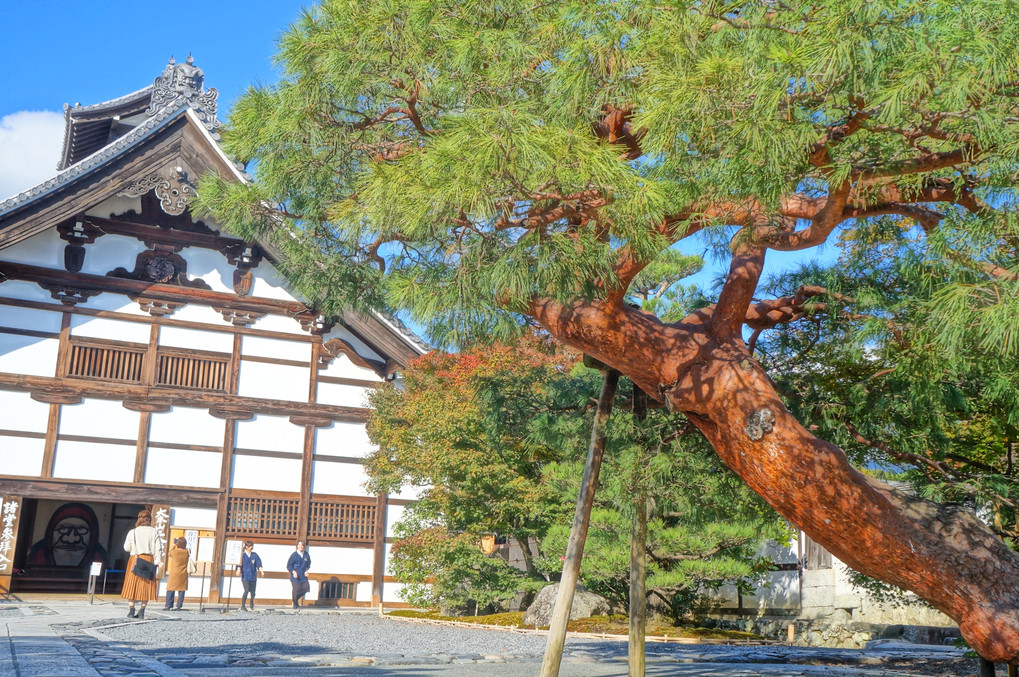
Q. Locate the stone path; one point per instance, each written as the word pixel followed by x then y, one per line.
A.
pixel 74 639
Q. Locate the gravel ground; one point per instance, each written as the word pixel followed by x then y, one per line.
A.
pixel 364 634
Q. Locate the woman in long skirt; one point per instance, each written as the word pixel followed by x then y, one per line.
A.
pixel 142 542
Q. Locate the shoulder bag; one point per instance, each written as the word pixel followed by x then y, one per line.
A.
pixel 142 568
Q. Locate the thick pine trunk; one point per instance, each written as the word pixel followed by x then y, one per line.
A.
pixel 940 552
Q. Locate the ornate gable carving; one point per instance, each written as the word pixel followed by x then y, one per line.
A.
pixel 173 188
pixel 161 266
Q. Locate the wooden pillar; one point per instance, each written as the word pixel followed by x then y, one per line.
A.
pixel 141 451
pixel 316 350
pixel 49 450
pixel 379 554
pixel 222 507
pixel 578 532
pixel 10 517
pixel 304 503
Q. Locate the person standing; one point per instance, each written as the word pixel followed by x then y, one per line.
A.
pixel 178 566
pixel 298 565
pixel 143 544
pixel 251 569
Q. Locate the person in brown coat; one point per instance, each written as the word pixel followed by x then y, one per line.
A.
pixel 178 566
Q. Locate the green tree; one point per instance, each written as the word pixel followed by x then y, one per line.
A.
pixel 488 164
pixel 494 437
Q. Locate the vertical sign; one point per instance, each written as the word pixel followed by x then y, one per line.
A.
pixel 233 553
pixel 191 536
pixel 161 523
pixel 10 515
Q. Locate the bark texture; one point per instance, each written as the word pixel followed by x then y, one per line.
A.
pixel 939 551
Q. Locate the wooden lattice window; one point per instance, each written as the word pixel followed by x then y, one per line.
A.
pixel 337 590
pixel 107 361
pixel 187 369
pixel 257 516
pixel 343 521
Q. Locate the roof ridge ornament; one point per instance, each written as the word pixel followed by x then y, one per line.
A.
pixel 182 83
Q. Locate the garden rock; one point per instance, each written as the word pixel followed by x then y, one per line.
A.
pixel 585 605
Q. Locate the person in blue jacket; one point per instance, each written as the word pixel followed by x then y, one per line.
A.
pixel 298 566
pixel 251 569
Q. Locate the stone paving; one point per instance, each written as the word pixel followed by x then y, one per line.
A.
pixel 69 639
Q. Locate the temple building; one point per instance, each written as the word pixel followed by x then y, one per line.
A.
pixel 148 359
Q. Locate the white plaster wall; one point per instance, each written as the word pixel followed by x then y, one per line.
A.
pixel 342 367
pixel 268 283
pixel 194 312
pixel 270 474
pixel 18 411
pixel 276 348
pixel 196 339
pixel 280 323
pixel 44 249
pixel 117 330
pixel 20 289
pixel 270 433
pixel 183 425
pixel 274 558
pixel 342 395
pixel 21 456
pixel 274 381
pixel 99 418
pixel 394 513
pixel 178 467
pixel 343 439
pixel 210 266
pixel 193 518
pixel 391 592
pixel 116 303
pixel 110 252
pixel 409 493
pixel 117 204
pixel 352 561
pixel 343 479
pixel 28 355
pixel 363 593
pixel 29 318
pixel 93 461
pixel 776 590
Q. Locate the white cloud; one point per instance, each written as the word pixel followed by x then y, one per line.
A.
pixel 30 143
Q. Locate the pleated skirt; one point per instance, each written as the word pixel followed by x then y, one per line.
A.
pixel 137 588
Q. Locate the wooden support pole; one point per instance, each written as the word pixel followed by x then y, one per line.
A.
pixel 986 668
pixel 1013 671
pixel 638 551
pixel 578 532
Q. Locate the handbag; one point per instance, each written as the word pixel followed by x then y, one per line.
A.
pixel 142 568
pixel 192 567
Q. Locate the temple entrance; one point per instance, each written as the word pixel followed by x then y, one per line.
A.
pixel 59 539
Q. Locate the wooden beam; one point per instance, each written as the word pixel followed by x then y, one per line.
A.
pixel 379 550
pixel 123 392
pixel 106 492
pixel 316 350
pixel 150 290
pixel 145 319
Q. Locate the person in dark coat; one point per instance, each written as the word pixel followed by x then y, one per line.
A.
pixel 251 569
pixel 298 565
pixel 178 566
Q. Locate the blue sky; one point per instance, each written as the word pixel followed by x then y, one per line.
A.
pixel 59 51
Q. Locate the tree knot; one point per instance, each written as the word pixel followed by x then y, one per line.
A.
pixel 760 423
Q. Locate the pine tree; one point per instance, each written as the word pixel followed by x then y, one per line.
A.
pixel 485 165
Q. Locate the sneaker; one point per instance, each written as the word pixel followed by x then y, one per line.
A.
pixel 244 608
pixel 167 608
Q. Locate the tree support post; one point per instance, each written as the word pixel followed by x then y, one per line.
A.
pixel 578 532
pixel 638 554
pixel 986 668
